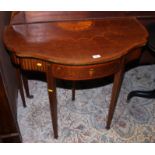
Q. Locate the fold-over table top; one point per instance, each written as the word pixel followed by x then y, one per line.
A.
pixel 76 42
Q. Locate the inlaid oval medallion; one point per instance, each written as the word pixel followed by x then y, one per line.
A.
pixel 75 26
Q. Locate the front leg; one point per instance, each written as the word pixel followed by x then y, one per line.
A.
pixel 53 99
pixel 118 77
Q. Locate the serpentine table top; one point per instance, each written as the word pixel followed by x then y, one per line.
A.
pixel 76 42
pixel 76 50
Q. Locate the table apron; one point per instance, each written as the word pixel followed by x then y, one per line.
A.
pixel 84 72
pixel 71 72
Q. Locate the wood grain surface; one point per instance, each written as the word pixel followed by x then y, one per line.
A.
pixel 76 42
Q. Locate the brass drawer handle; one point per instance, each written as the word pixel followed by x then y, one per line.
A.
pixel 39 64
pixel 91 71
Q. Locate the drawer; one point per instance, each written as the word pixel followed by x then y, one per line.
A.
pixel 33 64
pixel 84 72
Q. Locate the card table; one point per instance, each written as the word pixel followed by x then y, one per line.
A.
pixel 76 50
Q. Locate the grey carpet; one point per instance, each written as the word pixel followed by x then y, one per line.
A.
pixel 84 119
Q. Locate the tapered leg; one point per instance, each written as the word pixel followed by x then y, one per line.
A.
pixel 73 90
pixel 115 93
pixel 26 86
pixel 20 86
pixel 53 100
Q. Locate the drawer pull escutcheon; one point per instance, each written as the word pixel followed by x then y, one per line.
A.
pixel 39 64
pixel 58 68
pixel 50 90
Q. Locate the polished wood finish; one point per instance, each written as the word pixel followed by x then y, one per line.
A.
pixel 84 72
pixel 76 50
pixel 53 99
pixel 115 91
pixel 30 64
pixel 94 37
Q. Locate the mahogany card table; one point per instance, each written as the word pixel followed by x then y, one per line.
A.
pixel 76 50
